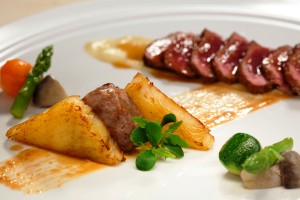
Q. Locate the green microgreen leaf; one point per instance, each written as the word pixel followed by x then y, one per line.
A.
pixel 145 160
pixel 162 152
pixel 167 119
pixel 177 150
pixel 138 136
pixel 175 140
pixel 154 133
pixel 162 145
pixel 140 121
pixel 173 127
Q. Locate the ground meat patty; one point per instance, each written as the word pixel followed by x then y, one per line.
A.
pixel 249 72
pixel 272 68
pixel 116 109
pixel 177 55
pixel 227 59
pixel 292 70
pixel 204 53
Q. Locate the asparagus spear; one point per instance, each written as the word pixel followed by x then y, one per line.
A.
pixel 42 64
pixel 267 157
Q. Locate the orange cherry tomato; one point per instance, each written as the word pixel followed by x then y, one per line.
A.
pixel 13 75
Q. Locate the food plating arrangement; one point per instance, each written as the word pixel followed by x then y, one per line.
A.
pixel 70 135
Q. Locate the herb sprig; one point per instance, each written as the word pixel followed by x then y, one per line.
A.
pixel 157 142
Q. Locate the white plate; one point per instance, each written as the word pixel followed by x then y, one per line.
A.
pixel 199 175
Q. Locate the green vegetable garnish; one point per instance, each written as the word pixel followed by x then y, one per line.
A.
pixel 146 160
pixel 267 157
pixel 236 150
pixel 162 143
pixel 42 64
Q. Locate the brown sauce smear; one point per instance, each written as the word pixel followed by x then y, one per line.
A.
pixel 35 170
pixel 219 103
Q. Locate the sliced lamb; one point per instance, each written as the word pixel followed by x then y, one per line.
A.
pixel 204 53
pixel 292 70
pixel 178 53
pixel 228 58
pixel 154 53
pixel 249 71
pixel 272 68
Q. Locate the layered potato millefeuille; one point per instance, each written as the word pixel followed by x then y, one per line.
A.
pixel 71 127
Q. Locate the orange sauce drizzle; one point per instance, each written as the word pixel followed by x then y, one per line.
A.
pixel 35 170
pixel 219 103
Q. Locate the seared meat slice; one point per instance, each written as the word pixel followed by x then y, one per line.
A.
pixel 292 70
pixel 116 109
pixel 290 169
pixel 249 72
pixel 228 58
pixel 154 53
pixel 204 53
pixel 177 55
pixel 272 68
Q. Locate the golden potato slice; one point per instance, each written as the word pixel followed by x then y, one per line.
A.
pixel 154 105
pixel 69 127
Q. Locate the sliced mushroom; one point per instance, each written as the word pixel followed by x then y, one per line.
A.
pixel 48 92
pixel 267 179
pixel 290 169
